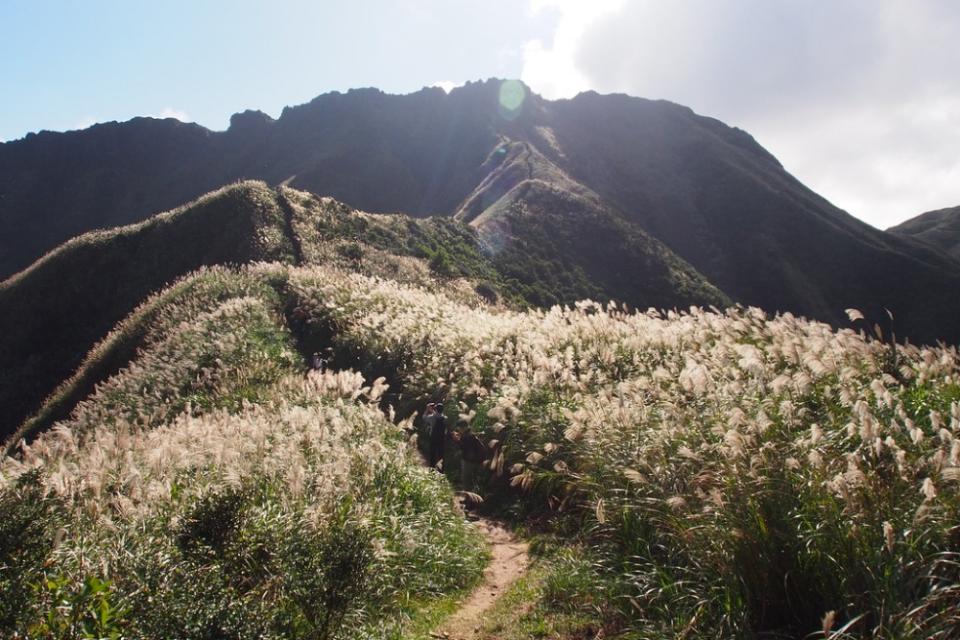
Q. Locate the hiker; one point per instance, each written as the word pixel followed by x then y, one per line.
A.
pixel 437 424
pixel 430 416
pixel 472 454
pixel 317 362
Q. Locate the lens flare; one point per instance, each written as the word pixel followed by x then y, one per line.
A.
pixel 512 96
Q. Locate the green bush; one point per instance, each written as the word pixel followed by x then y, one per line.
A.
pixel 29 525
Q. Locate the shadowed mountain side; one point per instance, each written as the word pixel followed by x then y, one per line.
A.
pixel 420 153
pixel 708 192
pixel 725 205
pixel 940 228
pixel 559 246
pixel 54 311
pixel 54 186
pixel 560 242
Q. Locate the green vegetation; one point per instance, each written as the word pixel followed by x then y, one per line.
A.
pixel 56 310
pixel 696 474
pixel 540 245
pixel 378 244
pixel 729 474
pixel 208 489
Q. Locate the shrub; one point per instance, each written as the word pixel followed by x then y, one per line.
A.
pixel 29 522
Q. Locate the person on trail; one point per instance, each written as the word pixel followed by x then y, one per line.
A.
pixel 472 454
pixel 429 416
pixel 438 436
pixel 317 362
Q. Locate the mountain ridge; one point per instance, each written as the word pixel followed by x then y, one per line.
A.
pixel 939 228
pixel 75 294
pixel 710 193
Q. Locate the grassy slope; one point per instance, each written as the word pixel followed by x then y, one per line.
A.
pixel 74 295
pixel 72 303
pixel 143 328
pixel 555 241
pixel 556 247
pixel 208 490
pixel 394 246
pixel 58 308
pixel 727 474
pixel 671 449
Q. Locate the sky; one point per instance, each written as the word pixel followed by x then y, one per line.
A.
pixel 859 99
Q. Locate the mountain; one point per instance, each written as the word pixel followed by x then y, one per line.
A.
pixel 53 313
pixel 612 179
pixel 941 228
pixel 178 470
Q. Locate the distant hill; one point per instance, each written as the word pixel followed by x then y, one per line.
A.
pixel 612 179
pixel 941 228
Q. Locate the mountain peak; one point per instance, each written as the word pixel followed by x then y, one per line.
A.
pixel 250 120
pixel 645 170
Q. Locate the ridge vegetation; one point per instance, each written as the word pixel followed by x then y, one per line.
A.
pixel 77 293
pixel 709 474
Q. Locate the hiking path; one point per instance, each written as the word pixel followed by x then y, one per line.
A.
pixel 509 561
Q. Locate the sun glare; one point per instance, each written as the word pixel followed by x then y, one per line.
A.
pixel 512 96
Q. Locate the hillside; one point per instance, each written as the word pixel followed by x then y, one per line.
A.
pixel 56 186
pixel 210 488
pixel 941 228
pixel 54 312
pixel 724 204
pixel 645 173
pixel 702 474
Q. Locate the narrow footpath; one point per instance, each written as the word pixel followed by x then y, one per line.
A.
pixel 509 562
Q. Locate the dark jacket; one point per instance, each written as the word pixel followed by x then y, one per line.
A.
pixel 472 448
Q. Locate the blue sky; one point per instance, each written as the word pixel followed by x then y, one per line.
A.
pixel 860 99
pixel 68 64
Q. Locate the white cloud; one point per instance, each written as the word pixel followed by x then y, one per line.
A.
pixel 170 112
pixel 446 85
pixel 860 99
pixel 83 123
pixel 551 68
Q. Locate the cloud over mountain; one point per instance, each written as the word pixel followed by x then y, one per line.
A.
pixel 858 99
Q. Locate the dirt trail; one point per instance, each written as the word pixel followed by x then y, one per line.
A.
pixel 509 561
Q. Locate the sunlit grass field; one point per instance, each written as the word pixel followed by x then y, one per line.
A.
pixel 707 474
